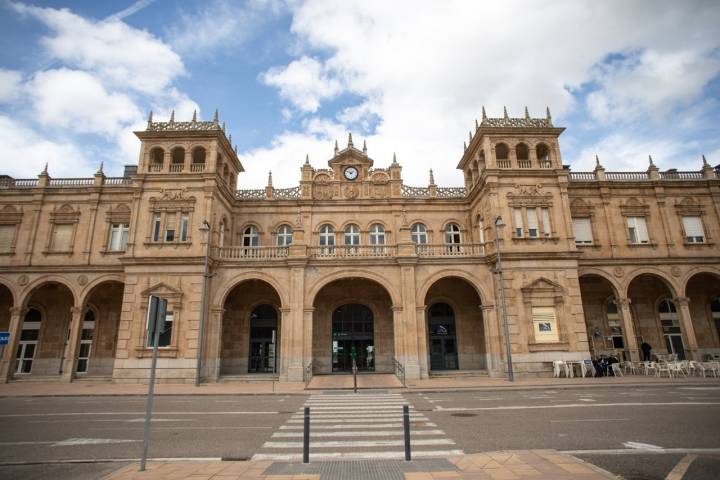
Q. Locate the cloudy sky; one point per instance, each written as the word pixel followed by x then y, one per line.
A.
pixel 627 79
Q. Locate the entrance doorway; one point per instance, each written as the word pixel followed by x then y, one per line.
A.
pixel 263 337
pixel 28 341
pixel 443 340
pixel 352 333
pixel 671 328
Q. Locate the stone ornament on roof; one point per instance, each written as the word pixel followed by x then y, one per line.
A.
pixel 193 125
pixel 509 122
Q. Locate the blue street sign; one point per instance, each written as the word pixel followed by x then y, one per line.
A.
pixel 4 338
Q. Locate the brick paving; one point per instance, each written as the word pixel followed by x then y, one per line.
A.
pixel 508 465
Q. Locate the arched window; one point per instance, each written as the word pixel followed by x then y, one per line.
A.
pixel 543 155
pixel 671 328
pixel 501 151
pixel 157 158
pixel 351 239
pixel 86 341
pixel 28 341
pixel 614 324
pixel 522 151
pixel 443 342
pixel 327 239
pixel 377 234
pixel 178 159
pixel 263 340
pixel 250 237
pixel 284 235
pixel 198 159
pixel 452 236
pixel 418 233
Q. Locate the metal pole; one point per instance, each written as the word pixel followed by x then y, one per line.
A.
pixel 354 368
pixel 201 331
pixel 151 389
pixel 306 436
pixel 406 430
pixel 506 327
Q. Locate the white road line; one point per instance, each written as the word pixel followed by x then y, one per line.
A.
pixel 417 418
pixel 634 451
pixel 413 424
pixel 358 408
pixel 641 446
pixel 681 468
pixel 587 399
pixel 353 433
pixel 573 405
pixel 591 420
pixel 71 442
pixel 360 443
pixel 79 414
pixel 487 398
pixel 292 457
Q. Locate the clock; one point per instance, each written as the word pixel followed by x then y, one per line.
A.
pixel 351 173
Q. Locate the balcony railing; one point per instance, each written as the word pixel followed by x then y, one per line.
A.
pixel 155 167
pixel 252 253
pixel 626 176
pixel 503 164
pixel 176 167
pixel 582 176
pixel 18 182
pixel 197 167
pixel 675 175
pixel 71 182
pixel 354 251
pixel 449 250
pixel 524 163
pixel 118 180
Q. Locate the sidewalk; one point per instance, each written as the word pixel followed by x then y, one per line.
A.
pixel 509 465
pixel 77 388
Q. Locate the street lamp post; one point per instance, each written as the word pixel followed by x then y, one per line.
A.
pixel 205 227
pixel 508 352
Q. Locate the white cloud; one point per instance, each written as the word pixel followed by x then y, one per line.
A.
pixel 121 55
pixel 304 82
pixel 10 84
pixel 26 152
pixel 423 70
pixel 78 101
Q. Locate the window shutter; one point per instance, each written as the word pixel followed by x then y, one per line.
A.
pixel 62 237
pixel 532 218
pixel 693 227
pixel 642 230
pixel 547 230
pixel 7 235
pixel 518 222
pixel 582 230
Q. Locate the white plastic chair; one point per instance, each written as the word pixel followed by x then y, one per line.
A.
pixel 558 368
pixel 617 371
pixel 676 368
pixel 661 368
pixel 648 367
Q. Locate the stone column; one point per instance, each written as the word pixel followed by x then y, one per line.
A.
pixel 628 329
pixel 76 327
pixel 294 325
pixel 493 348
pixel 421 323
pixel 283 343
pixel 412 344
pixel 8 358
pixel 686 325
pixel 213 344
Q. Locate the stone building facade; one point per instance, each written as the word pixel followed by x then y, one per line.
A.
pixel 354 262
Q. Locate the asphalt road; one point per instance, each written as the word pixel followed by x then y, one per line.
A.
pixel 637 432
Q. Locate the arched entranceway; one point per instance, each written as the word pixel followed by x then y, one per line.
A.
pixel 656 317
pixel 45 332
pixel 456 333
pixel 250 342
pixel 6 303
pixel 98 337
pixel 703 292
pixel 603 318
pixel 352 314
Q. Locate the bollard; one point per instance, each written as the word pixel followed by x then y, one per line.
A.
pixel 354 369
pixel 306 436
pixel 406 428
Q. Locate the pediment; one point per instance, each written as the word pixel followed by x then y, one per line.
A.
pixel 162 290
pixel 542 284
pixel 350 156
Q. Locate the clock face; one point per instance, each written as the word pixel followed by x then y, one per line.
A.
pixel 351 173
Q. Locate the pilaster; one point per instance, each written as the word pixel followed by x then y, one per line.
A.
pixel 8 358
pixel 688 330
pixel 75 330
pixel 628 329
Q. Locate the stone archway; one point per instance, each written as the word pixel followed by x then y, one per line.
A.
pixel 99 329
pixel 353 312
pixel 456 332
pixel 607 332
pixel 703 292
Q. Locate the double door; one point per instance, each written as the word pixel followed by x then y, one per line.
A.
pixel 674 344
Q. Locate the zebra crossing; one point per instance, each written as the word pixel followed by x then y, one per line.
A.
pixel 357 426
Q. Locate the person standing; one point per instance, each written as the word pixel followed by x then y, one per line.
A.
pixel 646 349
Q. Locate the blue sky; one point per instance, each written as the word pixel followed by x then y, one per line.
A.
pixel 627 79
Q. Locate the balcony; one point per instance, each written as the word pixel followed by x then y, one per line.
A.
pixel 450 250
pixel 252 253
pixel 354 251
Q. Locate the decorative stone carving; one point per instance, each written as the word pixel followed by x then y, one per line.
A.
pixel 23 280
pixel 350 191
pixel 82 279
pixel 675 271
pixel 618 272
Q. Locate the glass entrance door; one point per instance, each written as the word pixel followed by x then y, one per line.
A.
pixel 263 340
pixel 443 342
pixel 352 329
pixel 674 345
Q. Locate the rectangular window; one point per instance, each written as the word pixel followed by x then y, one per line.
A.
pixel 694 232
pixel 184 227
pixel 118 237
pixel 532 222
pixel 582 230
pixel 7 238
pixel 547 230
pixel 157 219
pixel 165 338
pixel 170 226
pixel 61 237
pixel 545 325
pixel 637 230
pixel 518 222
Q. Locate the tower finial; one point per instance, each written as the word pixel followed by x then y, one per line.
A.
pixel 336 148
pixel 432 178
pixel 476 124
pixel 230 138
pixel 527 114
pixel 223 127
pixel 100 170
pixel 307 159
pixel 705 162
pixel 464 146
pixel 350 142
pixel 150 118
pixel 505 115
pixel 651 161
pixel 235 148
pixel 469 136
pixel 270 178
pixel 365 147
pixel 194 120
pixel 484 115
pixel 172 116
pixel 45 171
pixel 216 116
pixel 394 162
pixel 597 162
pixel 548 117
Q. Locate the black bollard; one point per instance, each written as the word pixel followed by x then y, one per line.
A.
pixel 306 436
pixel 406 428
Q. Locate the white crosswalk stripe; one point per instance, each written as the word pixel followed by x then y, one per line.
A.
pixel 357 426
